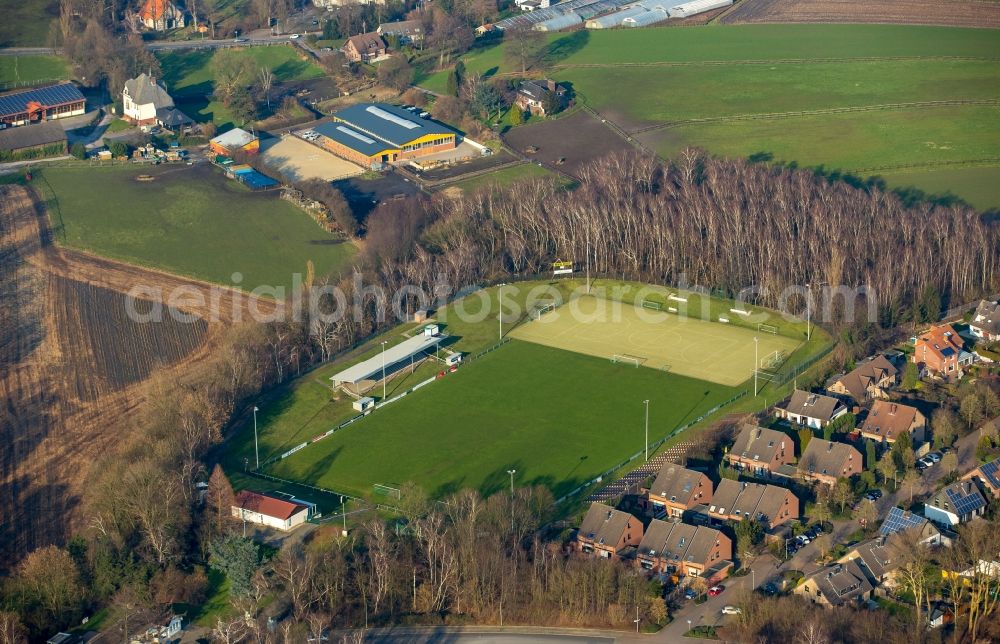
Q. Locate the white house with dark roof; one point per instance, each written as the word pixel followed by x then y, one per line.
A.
pixel 958 503
pixel 142 97
pixel 985 322
pixel 812 410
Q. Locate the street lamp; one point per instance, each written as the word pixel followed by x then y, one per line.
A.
pixel 255 450
pixel 512 473
pixel 646 443
pixel 384 342
pixel 637 620
pixel 343 511
pixel 756 342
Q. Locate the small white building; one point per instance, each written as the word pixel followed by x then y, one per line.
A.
pixel 142 97
pixel 269 511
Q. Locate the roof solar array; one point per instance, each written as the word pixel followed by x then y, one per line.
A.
pixel 965 503
pixel 900 520
pixel 991 471
pixel 16 102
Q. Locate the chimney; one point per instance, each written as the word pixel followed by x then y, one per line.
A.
pixel 550 84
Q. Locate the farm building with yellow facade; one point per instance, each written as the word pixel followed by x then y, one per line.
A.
pixel 374 134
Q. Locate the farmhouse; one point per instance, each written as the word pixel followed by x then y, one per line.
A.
pixel 540 96
pixel 144 100
pixel 985 323
pixel 161 15
pixel 812 410
pixel 43 139
pixel 677 489
pixel 374 134
pixel 827 461
pixel 408 31
pixel 41 104
pixel 769 504
pixel 887 420
pixel 761 451
pixel 837 585
pixel 940 352
pixel 269 511
pixel 674 547
pixel 988 476
pixel 606 531
pixel 364 48
pixel 235 141
pixel 958 503
pixel 869 380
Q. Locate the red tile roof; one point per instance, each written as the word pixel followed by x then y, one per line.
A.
pixel 153 9
pixel 267 505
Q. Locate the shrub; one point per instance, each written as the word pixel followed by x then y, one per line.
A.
pixel 78 150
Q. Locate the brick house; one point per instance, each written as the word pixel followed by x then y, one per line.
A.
pixel 677 489
pixel 769 504
pixel 760 450
pixel 827 461
pixel 679 548
pixel 868 381
pixel 939 352
pixel 364 48
pixel 887 420
pixel 605 531
pixel 988 475
pixel 535 95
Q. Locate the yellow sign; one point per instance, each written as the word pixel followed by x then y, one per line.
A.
pixel 559 265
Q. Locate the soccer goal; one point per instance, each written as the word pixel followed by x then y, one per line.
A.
pixel 650 304
pixel 767 328
pixel 772 360
pixel 767 376
pixel 386 490
pixel 541 310
pixel 628 359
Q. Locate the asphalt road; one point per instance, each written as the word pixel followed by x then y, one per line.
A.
pixel 450 637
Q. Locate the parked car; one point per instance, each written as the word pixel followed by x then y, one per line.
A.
pixel 803 539
pixel 873 495
pixel 293 37
pixel 716 590
pixel 690 593
pixel 769 589
pixel 934 456
pixel 241 40
pixel 731 610
pixel 924 463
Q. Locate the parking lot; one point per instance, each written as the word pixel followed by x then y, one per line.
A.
pixel 299 160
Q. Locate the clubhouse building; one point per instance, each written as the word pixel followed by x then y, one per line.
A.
pixel 375 134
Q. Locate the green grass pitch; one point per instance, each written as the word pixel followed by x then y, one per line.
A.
pixel 559 418
pixel 687 346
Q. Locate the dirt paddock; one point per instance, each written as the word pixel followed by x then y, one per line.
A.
pixel 960 13
pixel 299 160
pixel 568 143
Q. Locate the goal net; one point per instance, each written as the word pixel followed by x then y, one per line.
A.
pixel 772 360
pixel 386 490
pixel 767 328
pixel 628 359
pixel 767 376
pixel 650 304
pixel 541 310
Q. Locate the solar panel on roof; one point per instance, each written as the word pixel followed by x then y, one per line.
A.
pixel 61 94
pixel 899 520
pixel 964 503
pixel 992 472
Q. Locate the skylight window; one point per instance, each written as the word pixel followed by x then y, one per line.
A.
pixel 388 116
pixel 361 137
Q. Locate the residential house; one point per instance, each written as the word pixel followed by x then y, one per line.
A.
pixel 870 380
pixel 234 141
pixel 877 560
pixel 988 476
pixel 940 352
pixel 678 548
pixel 837 585
pixel 485 28
pixel 143 98
pixel 269 511
pixel 364 48
pixel 941 613
pixel 899 520
pixel 677 489
pixel 888 420
pixel 958 503
pixel 161 15
pixel 826 461
pixel 408 31
pixel 539 96
pixel 812 410
pixel 769 504
pixel 606 531
pixel 761 451
pixel 985 323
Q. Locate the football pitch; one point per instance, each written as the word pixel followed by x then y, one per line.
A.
pixel 687 346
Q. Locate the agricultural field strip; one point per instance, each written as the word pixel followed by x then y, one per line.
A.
pixel 767 61
pixel 829 110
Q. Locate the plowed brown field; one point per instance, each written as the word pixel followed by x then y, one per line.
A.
pixel 960 13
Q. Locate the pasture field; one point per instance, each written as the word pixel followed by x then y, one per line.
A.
pixel 508 410
pixel 503 177
pixel 20 69
pixel 686 346
pixel 26 23
pixel 644 79
pixel 976 185
pixel 189 220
